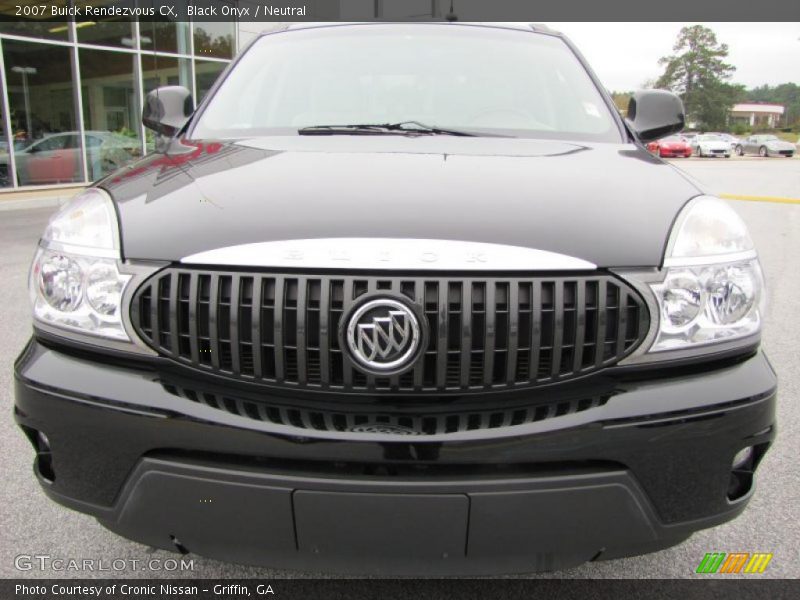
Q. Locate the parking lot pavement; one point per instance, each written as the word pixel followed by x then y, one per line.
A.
pixel 31 524
pixel 763 177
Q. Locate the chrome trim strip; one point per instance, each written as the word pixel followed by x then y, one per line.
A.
pixel 79 250
pixel 641 280
pixel 716 259
pixel 389 253
pixel 139 272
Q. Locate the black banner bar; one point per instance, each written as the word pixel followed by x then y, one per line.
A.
pixel 753 588
pixel 403 10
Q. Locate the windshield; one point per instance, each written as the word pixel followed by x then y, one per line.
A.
pixel 476 79
pixel 673 139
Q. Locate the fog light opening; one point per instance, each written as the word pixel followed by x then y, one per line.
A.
pixel 43 464
pixel 740 484
pixel 743 468
pixel 743 458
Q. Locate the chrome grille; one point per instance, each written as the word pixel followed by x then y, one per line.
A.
pixel 484 332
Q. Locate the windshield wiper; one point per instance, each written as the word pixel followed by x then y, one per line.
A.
pixel 402 128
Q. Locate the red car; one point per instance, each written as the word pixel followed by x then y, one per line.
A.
pixel 672 146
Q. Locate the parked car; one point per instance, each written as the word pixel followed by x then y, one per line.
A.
pixel 710 145
pixel 56 158
pixel 400 298
pixel 732 140
pixel 765 145
pixel 672 146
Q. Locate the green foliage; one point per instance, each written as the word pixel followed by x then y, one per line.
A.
pixel 697 72
pixel 621 100
pixel 740 129
pixel 128 133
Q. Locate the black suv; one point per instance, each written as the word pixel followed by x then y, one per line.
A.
pixel 400 298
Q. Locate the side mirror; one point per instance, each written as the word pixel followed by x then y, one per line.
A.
pixel 654 114
pixel 167 109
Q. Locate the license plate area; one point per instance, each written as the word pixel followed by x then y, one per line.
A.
pixel 381 525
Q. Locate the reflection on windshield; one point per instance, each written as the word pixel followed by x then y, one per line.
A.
pixel 530 85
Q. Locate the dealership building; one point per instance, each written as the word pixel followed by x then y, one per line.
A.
pixel 757 114
pixel 72 91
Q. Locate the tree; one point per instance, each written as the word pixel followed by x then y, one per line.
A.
pixel 621 100
pixel 697 72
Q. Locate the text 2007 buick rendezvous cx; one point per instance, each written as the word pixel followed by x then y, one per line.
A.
pixel 400 298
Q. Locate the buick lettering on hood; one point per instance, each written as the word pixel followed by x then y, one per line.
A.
pixel 400 299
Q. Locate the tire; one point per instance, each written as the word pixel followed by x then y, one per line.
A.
pixel 739 151
pixel 762 152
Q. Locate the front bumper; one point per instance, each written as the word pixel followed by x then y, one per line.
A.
pixel 674 153
pixel 638 472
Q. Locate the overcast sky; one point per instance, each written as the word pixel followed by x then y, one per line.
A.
pixel 625 55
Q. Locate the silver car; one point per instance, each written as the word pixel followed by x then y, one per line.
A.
pixel 710 145
pixel 765 145
pixel 732 140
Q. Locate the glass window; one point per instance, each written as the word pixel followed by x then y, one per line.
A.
pixel 105 33
pixel 110 110
pixel 206 73
pixel 41 103
pixel 530 85
pixel 57 141
pixel 159 36
pixel 214 39
pixel 5 172
pixel 165 70
pixel 28 19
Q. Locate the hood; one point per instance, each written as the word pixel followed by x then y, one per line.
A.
pixel 609 204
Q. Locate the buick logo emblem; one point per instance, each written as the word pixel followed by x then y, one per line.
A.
pixel 383 428
pixel 383 335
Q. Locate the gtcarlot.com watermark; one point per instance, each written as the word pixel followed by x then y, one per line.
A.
pixel 47 562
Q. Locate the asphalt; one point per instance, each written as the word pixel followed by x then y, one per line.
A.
pixel 32 525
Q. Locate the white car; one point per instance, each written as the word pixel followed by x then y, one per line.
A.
pixel 711 145
pixel 732 140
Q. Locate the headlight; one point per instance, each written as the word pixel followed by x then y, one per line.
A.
pixel 711 290
pixel 706 304
pixel 75 280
